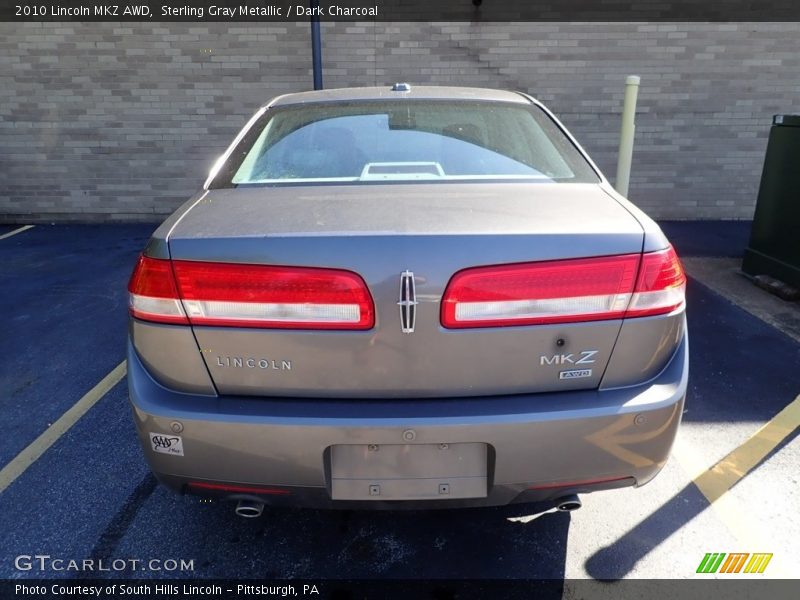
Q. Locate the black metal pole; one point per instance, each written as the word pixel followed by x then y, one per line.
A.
pixel 316 45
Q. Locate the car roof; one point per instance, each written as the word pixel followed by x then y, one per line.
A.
pixel 416 92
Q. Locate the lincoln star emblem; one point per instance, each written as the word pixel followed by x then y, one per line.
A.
pixel 408 302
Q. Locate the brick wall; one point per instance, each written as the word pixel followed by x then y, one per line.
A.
pixel 122 121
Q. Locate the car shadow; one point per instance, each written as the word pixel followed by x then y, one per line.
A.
pixel 484 543
pixel 619 558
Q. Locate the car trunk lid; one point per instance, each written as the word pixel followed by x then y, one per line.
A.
pixel 380 232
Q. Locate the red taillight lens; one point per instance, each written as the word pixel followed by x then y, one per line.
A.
pixel 153 295
pixel 661 285
pixel 236 295
pixel 269 296
pixel 564 291
pixel 557 291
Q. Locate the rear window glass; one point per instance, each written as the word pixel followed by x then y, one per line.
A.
pixel 402 140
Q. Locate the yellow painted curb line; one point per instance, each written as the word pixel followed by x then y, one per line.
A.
pixel 720 478
pixel 714 482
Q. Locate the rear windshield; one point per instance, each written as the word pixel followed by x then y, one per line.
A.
pixel 402 140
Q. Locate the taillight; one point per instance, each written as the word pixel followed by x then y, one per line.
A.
pixel 564 291
pixel 661 285
pixel 153 295
pixel 238 295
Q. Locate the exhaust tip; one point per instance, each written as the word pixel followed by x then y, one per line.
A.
pixel 569 503
pixel 249 509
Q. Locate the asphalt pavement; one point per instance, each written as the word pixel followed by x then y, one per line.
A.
pixel 90 495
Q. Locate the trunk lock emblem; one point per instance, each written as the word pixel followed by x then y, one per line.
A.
pixel 408 302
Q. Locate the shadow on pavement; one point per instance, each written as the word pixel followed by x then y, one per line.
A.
pixel 327 544
pixel 618 559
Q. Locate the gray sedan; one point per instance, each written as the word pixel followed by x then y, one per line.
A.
pixel 406 297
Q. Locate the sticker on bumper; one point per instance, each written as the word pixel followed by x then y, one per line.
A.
pixel 575 374
pixel 166 444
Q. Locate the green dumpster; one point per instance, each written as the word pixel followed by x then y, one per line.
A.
pixel 774 247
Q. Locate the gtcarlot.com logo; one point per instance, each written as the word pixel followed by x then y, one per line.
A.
pixel 45 562
pixel 734 562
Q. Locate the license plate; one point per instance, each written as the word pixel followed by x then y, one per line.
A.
pixel 408 471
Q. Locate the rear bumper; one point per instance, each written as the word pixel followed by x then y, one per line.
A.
pixel 540 446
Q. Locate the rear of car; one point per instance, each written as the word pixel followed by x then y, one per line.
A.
pixel 416 298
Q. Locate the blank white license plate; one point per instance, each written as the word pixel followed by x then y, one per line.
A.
pixel 408 471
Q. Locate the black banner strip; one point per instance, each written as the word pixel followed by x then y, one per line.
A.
pixel 445 589
pixel 240 11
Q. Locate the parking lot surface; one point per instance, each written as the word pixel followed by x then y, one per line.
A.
pixel 90 495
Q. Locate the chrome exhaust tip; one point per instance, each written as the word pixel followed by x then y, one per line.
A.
pixel 249 509
pixel 569 503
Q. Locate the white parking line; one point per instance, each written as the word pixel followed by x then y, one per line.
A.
pixel 16 231
pixel 39 446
